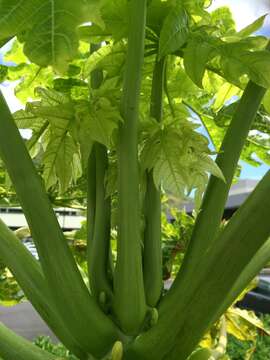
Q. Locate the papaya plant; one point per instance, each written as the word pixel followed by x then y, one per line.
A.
pixel 114 92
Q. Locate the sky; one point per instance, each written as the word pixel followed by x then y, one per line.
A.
pixel 244 12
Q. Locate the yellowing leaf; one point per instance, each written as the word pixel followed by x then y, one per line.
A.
pixel 243 324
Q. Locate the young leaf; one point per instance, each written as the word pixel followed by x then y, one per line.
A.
pixel 179 161
pixel 98 122
pixel 174 31
pixel 255 26
pixel 222 20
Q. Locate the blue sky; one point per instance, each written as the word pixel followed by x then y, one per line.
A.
pixel 244 12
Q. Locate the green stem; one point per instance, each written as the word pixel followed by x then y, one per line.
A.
pixel 14 347
pixel 81 312
pixel 91 204
pixel 129 301
pixel 28 273
pixel 152 258
pixel 99 256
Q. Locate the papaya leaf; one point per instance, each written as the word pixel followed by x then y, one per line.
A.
pixel 258 63
pixel 115 16
pixel 54 112
pixel 161 153
pixel 97 121
pixel 47 28
pixel 225 93
pixel 196 7
pixel 196 55
pixel 29 76
pixel 58 160
pixel 95 58
pixel 255 26
pixel 180 161
pixel 207 164
pixel 174 31
pixel 236 63
pixel 222 20
pixel 27 120
pixel 50 97
pixel 66 165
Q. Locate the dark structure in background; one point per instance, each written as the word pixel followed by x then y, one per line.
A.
pixel 238 194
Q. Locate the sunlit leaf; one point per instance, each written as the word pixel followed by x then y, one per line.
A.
pixel 49 27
